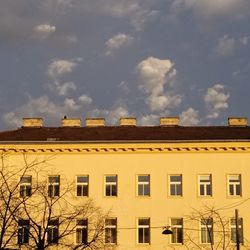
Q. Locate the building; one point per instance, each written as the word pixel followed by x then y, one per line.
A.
pixel 191 180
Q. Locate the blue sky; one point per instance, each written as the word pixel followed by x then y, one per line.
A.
pixel 124 58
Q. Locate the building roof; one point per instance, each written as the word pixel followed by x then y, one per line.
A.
pixel 127 133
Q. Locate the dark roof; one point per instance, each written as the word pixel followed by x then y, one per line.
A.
pixel 157 133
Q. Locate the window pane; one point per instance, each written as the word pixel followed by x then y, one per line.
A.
pixel 111 185
pixel 110 178
pixel 175 178
pixel 172 190
pixel 54 179
pixel 146 190
pixel 56 190
pixel 82 231
pixel 25 179
pixel 143 178
pixel 114 191
pixel 202 191
pixel 233 230
pixel 209 190
pixel 177 229
pixel 179 190
pixel 111 231
pixel 23 231
pixel 147 235
pixel 108 190
pixel 82 179
pixel 141 235
pixel 238 191
pixel 140 190
pixel 231 189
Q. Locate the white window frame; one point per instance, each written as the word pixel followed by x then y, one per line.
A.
pixel 81 229
pixel 177 229
pixel 82 185
pixel 53 228
pixel 233 230
pixel 111 231
pixel 23 231
pixel 112 186
pixel 234 185
pixel 25 186
pixel 206 225
pixel 54 185
pixel 176 185
pixel 143 185
pixel 205 183
pixel 145 228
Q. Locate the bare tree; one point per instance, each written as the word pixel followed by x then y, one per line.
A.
pixel 213 224
pixel 57 217
pixel 39 209
pixel 11 200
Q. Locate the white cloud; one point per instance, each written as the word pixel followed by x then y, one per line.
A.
pixel 12 119
pixel 244 40
pixel 161 102
pixel 111 116
pixel 69 39
pixel 71 104
pixel 216 100
pixel 153 75
pixel 138 12
pixel 63 89
pixel 189 117
pixel 149 120
pixel 124 86
pixel 56 70
pixel 43 31
pixel 210 9
pixel 118 42
pixel 60 67
pixel 85 100
pixel 227 45
pixel 45 108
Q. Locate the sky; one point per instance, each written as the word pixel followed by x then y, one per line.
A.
pixel 124 58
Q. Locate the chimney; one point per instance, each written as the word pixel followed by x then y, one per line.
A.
pixel 237 121
pixel 169 121
pixel 71 122
pixel 128 121
pixel 33 122
pixel 95 122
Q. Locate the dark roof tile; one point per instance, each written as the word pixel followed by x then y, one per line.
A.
pixel 178 133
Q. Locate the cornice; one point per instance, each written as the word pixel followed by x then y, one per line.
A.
pixel 126 149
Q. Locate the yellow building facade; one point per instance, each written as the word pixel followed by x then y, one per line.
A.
pixel 189 180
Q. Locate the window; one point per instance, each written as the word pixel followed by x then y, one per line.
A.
pixel 54 186
pixel 233 230
pixel 111 185
pixel 53 231
pixel 234 185
pixel 82 231
pixel 143 228
pixel 82 185
pixel 111 231
pixel 23 232
pixel 143 185
pixel 205 185
pixel 177 229
pixel 25 186
pixel 207 231
pixel 175 183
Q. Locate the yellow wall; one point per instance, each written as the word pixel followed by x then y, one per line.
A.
pixel 189 159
